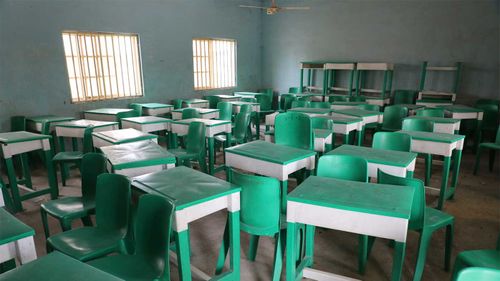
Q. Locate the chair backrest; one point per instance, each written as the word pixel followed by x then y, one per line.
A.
pixel 92 165
pixel 112 202
pixel 213 101
pixel 393 117
pixel 294 90
pixel 478 274
pixel 497 138
pixel 405 96
pixel 241 123
pixel 152 230
pixel 286 101
pixel 265 101
pixel 345 167
pixel 321 123
pixel 177 103
pixel 337 98
pixel 418 206
pixel 418 125
pixel 137 107
pixel 430 112
pixel 246 108
pixel 17 123
pixel 370 107
pixel 293 129
pixel 88 144
pixel 490 115
pixel 488 101
pixel 357 98
pixel 225 110
pixel 195 142
pixel 259 202
pixel 300 103
pixel 318 104
pixel 126 114
pixel 190 113
pixel 392 141
pixel 248 99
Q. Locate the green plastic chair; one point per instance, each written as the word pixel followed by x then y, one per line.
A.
pixel 393 117
pixel 266 104
pixel 213 101
pixel 225 110
pixel 259 216
pixel 489 258
pixel 286 101
pixel 317 104
pixel 137 108
pixel 357 98
pixel 195 147
pixel 150 261
pixel 247 108
pixel 479 274
pixel 430 112
pixel 338 98
pixel 112 215
pixel 294 90
pixel 490 117
pixel 17 123
pixel 294 129
pixel 404 96
pixel 321 123
pixel 392 141
pixel 345 167
pixel 493 147
pixel 127 114
pixel 300 103
pixel 177 103
pixel 421 126
pixel 189 113
pixel 240 130
pixel 424 220
pixel 67 209
pixel 370 107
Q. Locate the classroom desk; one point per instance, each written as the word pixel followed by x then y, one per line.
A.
pixel 363 208
pixel 155 109
pixel 464 112
pixel 104 114
pixel 147 124
pixel 196 195
pixel 270 159
pixel 16 238
pixel 57 267
pixel 205 113
pixel 396 163
pixel 107 138
pixel 369 117
pixel 441 124
pixel 247 94
pixel 412 108
pixel 338 105
pixel 35 123
pixel 76 128
pixel 197 103
pixel 138 158
pixel 237 106
pixel 345 125
pixel 15 143
pixel 446 145
pixel 228 98
pixel 311 111
pixel 212 128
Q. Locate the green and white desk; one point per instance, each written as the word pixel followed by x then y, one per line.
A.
pixel 35 124
pixel 247 94
pixel 113 137
pixel 104 114
pixel 322 140
pixel 76 128
pixel 269 159
pixel 441 124
pixel 396 163
pixel 205 113
pixel 198 103
pixel 155 109
pixel 464 112
pixel 147 124
pixel 338 105
pixel 237 106
pixel 57 267
pixel 196 195
pixel 345 125
pixel 228 98
pixel 138 158
pixel 19 143
pixel 412 108
pixel 363 208
pixel 369 117
pixel 446 145
pixel 212 128
pixel 311 111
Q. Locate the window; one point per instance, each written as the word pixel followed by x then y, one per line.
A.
pixel 103 66
pixel 214 63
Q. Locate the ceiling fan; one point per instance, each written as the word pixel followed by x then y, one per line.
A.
pixel 273 9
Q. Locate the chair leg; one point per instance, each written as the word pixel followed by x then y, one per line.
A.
pixel 428 168
pixel 478 156
pixel 457 267
pixel 45 223
pixel 278 258
pixel 65 225
pixel 87 221
pixel 365 244
pixel 64 175
pixel 449 243
pixel 423 243
pixel 252 248
pixel 492 159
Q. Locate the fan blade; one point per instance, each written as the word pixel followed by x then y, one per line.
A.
pixel 295 8
pixel 252 7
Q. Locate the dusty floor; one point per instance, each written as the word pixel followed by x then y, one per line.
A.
pixel 476 207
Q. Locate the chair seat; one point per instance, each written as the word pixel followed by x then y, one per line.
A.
pixel 436 219
pixel 12 229
pixel 127 267
pixel 182 154
pixel 69 207
pixel 481 258
pixel 490 145
pixel 86 243
pixel 67 156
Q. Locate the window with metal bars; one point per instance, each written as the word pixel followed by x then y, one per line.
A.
pixel 214 63
pixel 103 66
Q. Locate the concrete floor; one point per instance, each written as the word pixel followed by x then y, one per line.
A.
pixel 476 208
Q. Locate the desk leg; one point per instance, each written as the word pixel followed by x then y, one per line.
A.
pixel 174 140
pixel 479 133
pixel 457 158
pixel 444 182
pixel 309 238
pixel 234 245
pixel 361 136
pixel 409 174
pixel 291 237
pixel 257 124
pixel 63 166
pixel 399 258
pixel 51 174
pixel 25 249
pixel 346 138
pixel 284 192
pixel 211 152
pixel 26 170
pixel 183 256
pixel 11 174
